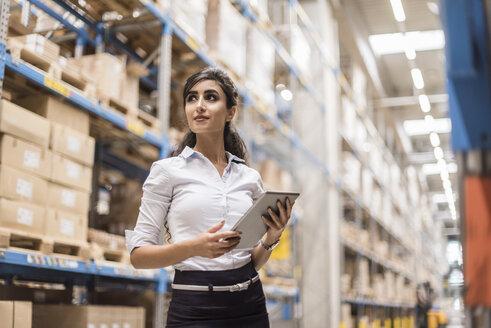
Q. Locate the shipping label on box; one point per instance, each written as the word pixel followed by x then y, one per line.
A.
pixel 18 185
pixel 24 124
pixel 21 215
pixel 69 173
pixel 58 111
pixel 66 225
pixel 68 199
pixel 73 144
pixel 25 156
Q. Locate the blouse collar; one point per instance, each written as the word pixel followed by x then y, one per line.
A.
pixel 188 151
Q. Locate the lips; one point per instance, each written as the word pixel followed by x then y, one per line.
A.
pixel 201 118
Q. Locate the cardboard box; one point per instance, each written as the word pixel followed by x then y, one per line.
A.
pixel 40 45
pixel 68 199
pixel 15 314
pixel 65 316
pixel 56 110
pixel 70 173
pixel 66 225
pixel 190 15
pixel 226 30
pixel 73 144
pixel 21 215
pixel 87 316
pixel 18 185
pixel 24 124
pixel 25 156
pixel 107 70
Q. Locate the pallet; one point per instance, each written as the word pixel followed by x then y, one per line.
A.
pixel 35 60
pixel 104 254
pixel 115 104
pixel 33 242
pixel 76 81
pixel 151 122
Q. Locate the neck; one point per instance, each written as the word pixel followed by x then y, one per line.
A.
pixel 212 147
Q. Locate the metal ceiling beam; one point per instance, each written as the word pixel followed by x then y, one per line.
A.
pixel 427 157
pixel 411 100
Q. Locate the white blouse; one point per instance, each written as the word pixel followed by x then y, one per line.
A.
pixel 188 193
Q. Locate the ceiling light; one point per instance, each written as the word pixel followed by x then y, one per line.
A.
pixel 399 43
pixel 434 139
pixel 436 168
pixel 424 103
pixel 410 52
pixel 286 94
pixel 418 81
pixel 433 7
pixel 444 175
pixel 426 126
pixel 398 10
pixel 447 185
pixel 438 153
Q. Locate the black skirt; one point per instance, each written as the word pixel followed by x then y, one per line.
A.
pixel 193 309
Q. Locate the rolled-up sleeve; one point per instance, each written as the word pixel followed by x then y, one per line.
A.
pixel 156 199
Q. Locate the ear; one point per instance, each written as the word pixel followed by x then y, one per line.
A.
pixel 231 113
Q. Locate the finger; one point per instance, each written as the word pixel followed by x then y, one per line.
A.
pixel 283 217
pixel 229 243
pixel 226 234
pixel 274 217
pixel 217 227
pixel 289 206
pixel 269 223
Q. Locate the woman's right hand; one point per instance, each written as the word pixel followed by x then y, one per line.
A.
pixel 212 244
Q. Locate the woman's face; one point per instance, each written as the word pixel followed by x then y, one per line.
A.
pixel 206 108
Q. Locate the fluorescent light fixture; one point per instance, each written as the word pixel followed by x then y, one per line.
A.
pixel 424 102
pixel 438 152
pixel 444 175
pixel 418 81
pixel 452 168
pixel 398 10
pixel 286 94
pixel 404 43
pixel 410 52
pixel 434 139
pixel 447 186
pixel 433 7
pixel 426 126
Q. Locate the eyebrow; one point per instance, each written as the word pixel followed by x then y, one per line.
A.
pixel 206 91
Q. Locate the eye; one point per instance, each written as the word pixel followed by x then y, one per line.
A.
pixel 191 98
pixel 211 97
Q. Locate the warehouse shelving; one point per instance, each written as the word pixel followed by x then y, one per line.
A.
pixel 170 26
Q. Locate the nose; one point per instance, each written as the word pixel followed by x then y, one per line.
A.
pixel 200 104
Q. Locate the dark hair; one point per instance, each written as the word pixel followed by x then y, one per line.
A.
pixel 232 140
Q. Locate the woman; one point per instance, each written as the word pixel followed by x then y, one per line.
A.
pixel 198 194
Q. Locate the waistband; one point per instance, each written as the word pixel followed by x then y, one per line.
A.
pixel 216 278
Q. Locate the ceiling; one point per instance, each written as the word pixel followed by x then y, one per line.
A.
pixel 396 87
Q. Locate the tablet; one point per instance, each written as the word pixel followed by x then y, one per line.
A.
pixel 252 225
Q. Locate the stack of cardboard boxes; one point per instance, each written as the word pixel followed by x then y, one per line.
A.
pixel 15 314
pixel 46 168
pixel 87 316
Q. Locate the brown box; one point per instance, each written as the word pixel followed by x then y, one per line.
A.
pixel 66 225
pixel 73 144
pixel 40 45
pixel 107 70
pixel 68 199
pixel 56 110
pixel 25 156
pixel 65 316
pixel 70 173
pixel 18 185
pixel 15 314
pixel 20 215
pixel 24 124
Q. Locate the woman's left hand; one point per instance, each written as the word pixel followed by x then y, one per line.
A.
pixel 277 223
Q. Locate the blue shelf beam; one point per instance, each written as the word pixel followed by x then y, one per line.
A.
pixel 58 269
pixel 87 21
pixel 75 97
pixel 80 32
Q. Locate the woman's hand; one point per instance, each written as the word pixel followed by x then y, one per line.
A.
pixel 277 223
pixel 212 244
